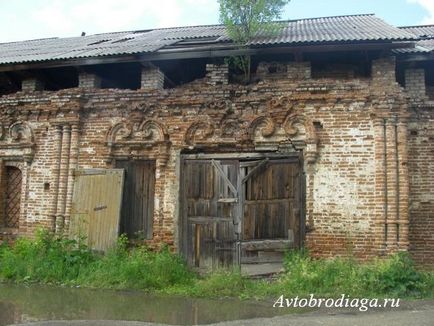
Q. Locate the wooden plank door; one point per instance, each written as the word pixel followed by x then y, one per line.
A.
pixel 137 213
pixel 271 210
pixel 209 205
pixel 96 207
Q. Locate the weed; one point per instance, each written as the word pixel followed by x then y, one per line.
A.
pixel 58 260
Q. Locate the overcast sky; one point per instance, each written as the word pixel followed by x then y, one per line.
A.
pixel 30 19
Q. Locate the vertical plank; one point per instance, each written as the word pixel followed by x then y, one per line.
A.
pixel 197 250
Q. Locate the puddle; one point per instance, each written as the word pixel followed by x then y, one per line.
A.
pixel 20 304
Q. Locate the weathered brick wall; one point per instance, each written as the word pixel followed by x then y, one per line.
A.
pixel 421 166
pixel 415 83
pixel 339 121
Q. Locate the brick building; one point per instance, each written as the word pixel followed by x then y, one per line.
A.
pixel 149 133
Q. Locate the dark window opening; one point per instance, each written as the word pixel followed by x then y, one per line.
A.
pixel 120 75
pixel 339 65
pixel 52 79
pixel 9 83
pixel 58 78
pixel 429 79
pixel 179 72
pixel 400 74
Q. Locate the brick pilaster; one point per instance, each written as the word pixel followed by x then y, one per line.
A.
pixel 32 85
pixel 217 74
pixel 152 78
pixel 88 80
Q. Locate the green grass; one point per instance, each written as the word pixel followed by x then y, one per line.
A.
pixel 52 260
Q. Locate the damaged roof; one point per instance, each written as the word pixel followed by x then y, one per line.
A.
pixel 314 31
pixel 425 34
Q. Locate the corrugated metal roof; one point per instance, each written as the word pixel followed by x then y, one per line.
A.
pixel 425 34
pixel 355 28
pixel 338 29
pixel 423 31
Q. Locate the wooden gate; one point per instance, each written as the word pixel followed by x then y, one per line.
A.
pixel 209 198
pixel 138 199
pixel 13 197
pixel 240 211
pixel 272 210
pixel 96 206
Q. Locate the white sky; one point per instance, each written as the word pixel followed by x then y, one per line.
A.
pixel 29 19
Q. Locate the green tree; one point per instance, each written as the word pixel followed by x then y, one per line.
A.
pixel 247 19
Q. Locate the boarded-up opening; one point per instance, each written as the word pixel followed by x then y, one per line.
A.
pixel 137 212
pixel 13 181
pixel 240 211
pixel 96 207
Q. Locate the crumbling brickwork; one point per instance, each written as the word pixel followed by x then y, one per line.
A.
pixel 415 83
pixel 217 74
pixel 353 134
pixel 421 166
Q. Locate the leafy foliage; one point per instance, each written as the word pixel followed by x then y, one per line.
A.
pixel 48 259
pixel 57 260
pixel 392 276
pixel 247 19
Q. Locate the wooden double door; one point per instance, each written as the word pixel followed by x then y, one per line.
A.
pixel 240 210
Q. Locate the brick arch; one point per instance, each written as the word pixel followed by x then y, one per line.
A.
pixel 264 124
pixel 152 128
pixel 310 139
pixel 199 132
pixel 121 129
pixel 21 131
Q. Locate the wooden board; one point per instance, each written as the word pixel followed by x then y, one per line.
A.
pixel 137 213
pixel 96 207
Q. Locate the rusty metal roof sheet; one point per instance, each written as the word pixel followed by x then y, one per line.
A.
pixel 355 28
